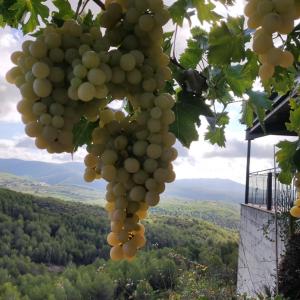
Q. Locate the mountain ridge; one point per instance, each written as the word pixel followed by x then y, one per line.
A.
pixel 68 174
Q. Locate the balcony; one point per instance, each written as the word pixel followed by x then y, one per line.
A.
pixel 266 192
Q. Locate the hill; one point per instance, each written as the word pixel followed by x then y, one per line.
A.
pixel 79 193
pixel 216 212
pixel 71 174
pixel 51 249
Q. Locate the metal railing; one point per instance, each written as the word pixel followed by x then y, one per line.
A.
pixel 266 191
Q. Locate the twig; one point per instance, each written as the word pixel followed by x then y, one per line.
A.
pixel 175 62
pixel 100 4
pixel 174 42
pixel 84 6
pixel 78 8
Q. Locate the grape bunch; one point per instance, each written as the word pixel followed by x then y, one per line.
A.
pixel 295 210
pixel 134 155
pixel 72 72
pixel 269 17
pixel 135 29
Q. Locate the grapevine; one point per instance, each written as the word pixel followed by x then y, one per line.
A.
pixel 72 72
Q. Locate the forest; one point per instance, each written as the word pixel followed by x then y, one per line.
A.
pixel 51 249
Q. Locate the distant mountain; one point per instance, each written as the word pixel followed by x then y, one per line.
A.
pixel 78 193
pixel 67 174
pixel 207 189
pixel 51 173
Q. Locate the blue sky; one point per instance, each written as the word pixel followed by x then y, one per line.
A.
pixel 202 160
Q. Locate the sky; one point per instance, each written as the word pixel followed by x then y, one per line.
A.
pixel 202 160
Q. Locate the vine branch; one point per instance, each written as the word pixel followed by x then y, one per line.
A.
pixel 100 4
pixel 83 7
pixel 78 8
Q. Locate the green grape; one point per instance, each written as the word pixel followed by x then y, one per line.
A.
pixel 57 55
pixel 134 76
pixel 150 165
pixel 140 148
pixel 40 70
pixel 149 85
pixel 152 199
pixel 146 23
pixel 80 71
pixel 118 75
pixel 96 76
pixel 39 108
pixel 109 157
pixel 127 62
pixel 132 165
pixel 56 109
pixel 132 15
pixel 137 193
pixel 90 59
pixel 109 172
pixel 154 151
pixel 57 122
pixel 49 133
pixel 53 40
pixel 57 74
pixel 15 56
pixel 86 91
pixel 38 49
pixel 33 129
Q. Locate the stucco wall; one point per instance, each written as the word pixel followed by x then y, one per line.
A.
pixel 257 251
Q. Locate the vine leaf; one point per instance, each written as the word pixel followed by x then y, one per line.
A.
pixel 178 11
pixel 205 11
pixel 296 159
pixel 227 42
pixel 285 158
pixel 83 133
pixel 65 10
pixel 196 46
pixel 188 109
pixel 216 135
pixel 259 103
pixel 11 13
pixel 294 124
pixel 247 114
pixel 35 8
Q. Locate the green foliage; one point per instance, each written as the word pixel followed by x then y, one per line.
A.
pixel 35 8
pixel 259 103
pixel 294 124
pixel 188 109
pixel 83 133
pixel 227 42
pixel 289 272
pixel 31 226
pixel 65 11
pixel 285 159
pixel 196 46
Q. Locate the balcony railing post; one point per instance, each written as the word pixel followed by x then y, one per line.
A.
pixel 247 172
pixel 269 191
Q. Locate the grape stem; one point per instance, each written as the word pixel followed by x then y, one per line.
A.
pixel 100 4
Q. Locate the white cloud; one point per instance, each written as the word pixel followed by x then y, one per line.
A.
pixel 22 147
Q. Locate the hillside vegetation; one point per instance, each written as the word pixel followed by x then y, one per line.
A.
pixel 218 212
pixel 52 249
